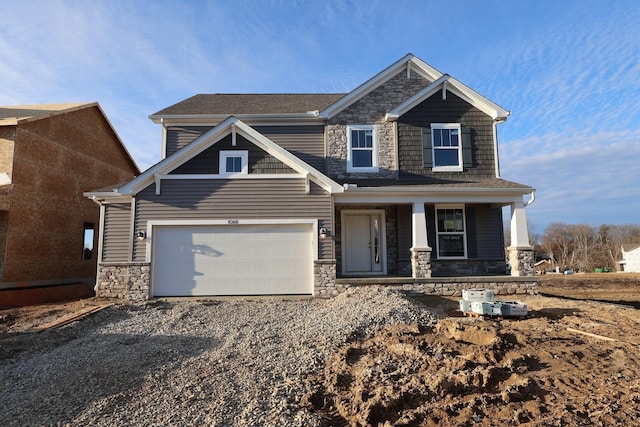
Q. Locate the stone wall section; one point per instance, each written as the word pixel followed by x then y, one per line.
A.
pixel 129 281
pixel 522 262
pixel 371 110
pixel 324 280
pixel 469 267
pixel 420 262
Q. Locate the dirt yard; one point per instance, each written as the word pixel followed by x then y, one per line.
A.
pixel 571 362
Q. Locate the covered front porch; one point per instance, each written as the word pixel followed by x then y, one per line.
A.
pixel 444 235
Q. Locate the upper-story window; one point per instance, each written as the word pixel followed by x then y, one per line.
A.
pixel 450 227
pixel 447 147
pixel 233 162
pixel 362 155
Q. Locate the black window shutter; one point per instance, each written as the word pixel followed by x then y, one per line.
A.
pixel 427 152
pixel 467 151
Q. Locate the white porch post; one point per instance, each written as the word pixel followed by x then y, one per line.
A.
pixel 520 250
pixel 420 250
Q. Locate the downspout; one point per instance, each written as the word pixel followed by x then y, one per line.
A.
pixel 531 200
pixel 496 122
pixel 164 140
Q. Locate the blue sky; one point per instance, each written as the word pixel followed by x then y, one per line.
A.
pixel 568 70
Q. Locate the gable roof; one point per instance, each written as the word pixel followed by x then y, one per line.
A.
pixel 409 62
pixel 19 114
pixel 323 105
pixel 629 247
pixel 448 83
pixel 11 115
pixel 208 139
pixel 211 105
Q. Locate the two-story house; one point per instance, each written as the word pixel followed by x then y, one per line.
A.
pixel 49 155
pixel 307 193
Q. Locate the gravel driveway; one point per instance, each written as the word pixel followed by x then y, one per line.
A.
pixel 232 362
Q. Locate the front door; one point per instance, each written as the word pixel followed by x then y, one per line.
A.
pixel 363 243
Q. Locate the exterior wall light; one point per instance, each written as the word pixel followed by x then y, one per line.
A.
pixel 141 235
pixel 323 233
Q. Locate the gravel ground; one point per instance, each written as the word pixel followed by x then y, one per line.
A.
pixel 232 362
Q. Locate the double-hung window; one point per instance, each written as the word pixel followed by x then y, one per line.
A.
pixel 362 155
pixel 447 147
pixel 450 227
pixel 233 162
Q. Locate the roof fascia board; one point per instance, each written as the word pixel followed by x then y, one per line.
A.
pixel 218 118
pixel 436 190
pixel 456 87
pixel 56 112
pixel 179 157
pixel 210 138
pixel 287 158
pixel 378 80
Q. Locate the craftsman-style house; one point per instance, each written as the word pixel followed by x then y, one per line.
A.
pixel 303 193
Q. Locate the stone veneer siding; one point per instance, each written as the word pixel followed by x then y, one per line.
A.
pixel 452 286
pixel 124 280
pixel 468 267
pixel 421 262
pixel 522 262
pixel 371 110
pixel 324 279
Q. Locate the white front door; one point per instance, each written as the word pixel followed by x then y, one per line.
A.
pixel 363 243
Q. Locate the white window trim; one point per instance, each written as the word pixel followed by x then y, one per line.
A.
pixel 374 149
pixel 464 232
pixel 244 159
pixel 457 168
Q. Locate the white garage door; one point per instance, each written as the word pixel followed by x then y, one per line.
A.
pixel 232 260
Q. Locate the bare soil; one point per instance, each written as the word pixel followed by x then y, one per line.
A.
pixel 572 361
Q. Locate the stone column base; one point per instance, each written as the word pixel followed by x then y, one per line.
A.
pixel 124 280
pixel 420 262
pixel 324 279
pixel 522 261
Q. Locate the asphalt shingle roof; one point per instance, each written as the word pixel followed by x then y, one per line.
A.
pixel 233 104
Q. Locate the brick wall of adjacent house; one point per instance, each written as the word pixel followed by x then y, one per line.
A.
pixel 56 159
pixel 129 281
pixel 371 110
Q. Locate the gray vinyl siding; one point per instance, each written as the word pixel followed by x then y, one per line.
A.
pixel 234 199
pixel 304 141
pixel 117 237
pixel 207 162
pixel 405 237
pixel 452 110
pixel 488 231
pixel 180 136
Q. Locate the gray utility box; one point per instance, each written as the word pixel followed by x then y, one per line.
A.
pixel 482 295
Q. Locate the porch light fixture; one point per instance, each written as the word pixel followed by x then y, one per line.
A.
pixel 141 235
pixel 323 233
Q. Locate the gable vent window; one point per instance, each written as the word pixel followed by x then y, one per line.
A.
pixel 362 155
pixel 234 162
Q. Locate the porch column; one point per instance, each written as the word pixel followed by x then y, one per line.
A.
pixel 420 250
pixel 521 256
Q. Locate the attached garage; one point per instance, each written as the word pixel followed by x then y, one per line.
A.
pixel 232 258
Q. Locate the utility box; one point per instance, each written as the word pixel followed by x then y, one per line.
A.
pixel 482 295
pixel 486 308
pixel 513 308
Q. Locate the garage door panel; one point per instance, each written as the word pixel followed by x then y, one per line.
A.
pixel 232 260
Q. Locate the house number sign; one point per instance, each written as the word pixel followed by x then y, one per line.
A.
pixel 233 221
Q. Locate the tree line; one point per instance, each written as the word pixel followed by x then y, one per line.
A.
pixel 583 247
